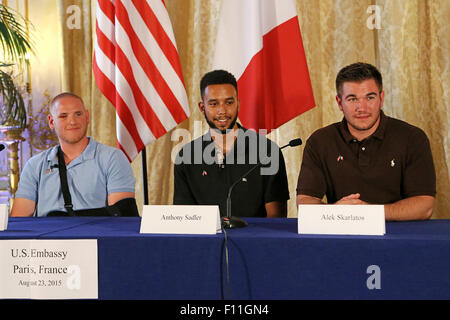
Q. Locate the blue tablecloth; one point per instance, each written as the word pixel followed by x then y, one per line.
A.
pixel 267 260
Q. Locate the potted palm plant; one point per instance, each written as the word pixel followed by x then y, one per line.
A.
pixel 16 48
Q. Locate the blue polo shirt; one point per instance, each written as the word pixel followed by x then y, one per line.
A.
pixel 99 171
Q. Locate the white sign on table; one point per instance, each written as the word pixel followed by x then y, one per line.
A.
pixel 180 219
pixel 48 269
pixel 341 219
pixel 3 217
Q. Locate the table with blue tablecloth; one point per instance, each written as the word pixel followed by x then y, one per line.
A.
pixel 266 260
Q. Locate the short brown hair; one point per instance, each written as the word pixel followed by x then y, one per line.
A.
pixel 63 95
pixel 358 72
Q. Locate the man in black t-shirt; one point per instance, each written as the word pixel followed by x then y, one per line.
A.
pixel 207 167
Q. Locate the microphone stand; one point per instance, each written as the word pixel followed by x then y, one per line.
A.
pixel 230 222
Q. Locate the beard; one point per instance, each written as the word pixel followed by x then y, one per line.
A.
pixel 223 131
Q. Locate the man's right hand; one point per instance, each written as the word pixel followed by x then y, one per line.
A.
pixel 351 199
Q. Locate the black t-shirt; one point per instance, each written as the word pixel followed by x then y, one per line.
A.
pixel 200 179
pixel 394 163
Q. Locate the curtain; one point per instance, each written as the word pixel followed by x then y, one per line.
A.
pixel 408 40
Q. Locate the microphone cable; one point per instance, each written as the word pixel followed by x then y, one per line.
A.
pixel 227 290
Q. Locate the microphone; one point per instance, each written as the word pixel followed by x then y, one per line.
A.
pixel 293 143
pixel 230 221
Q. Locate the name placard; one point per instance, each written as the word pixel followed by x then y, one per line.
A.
pixel 3 217
pixel 341 219
pixel 180 219
pixel 48 269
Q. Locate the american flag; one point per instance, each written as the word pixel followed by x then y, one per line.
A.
pixel 137 68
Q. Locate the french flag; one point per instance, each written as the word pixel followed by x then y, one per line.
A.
pixel 259 42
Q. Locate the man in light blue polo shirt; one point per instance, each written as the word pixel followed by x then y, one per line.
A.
pixel 97 175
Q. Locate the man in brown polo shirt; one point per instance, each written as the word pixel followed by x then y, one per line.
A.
pixel 368 157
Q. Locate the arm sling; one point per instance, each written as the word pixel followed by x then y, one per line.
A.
pixel 123 208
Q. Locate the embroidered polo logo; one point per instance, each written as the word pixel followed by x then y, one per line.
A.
pixel 204 173
pixel 340 158
pixel 50 170
pixel 392 162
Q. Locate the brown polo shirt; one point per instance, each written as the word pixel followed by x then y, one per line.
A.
pixel 394 163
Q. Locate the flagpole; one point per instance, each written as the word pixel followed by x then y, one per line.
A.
pixel 144 175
